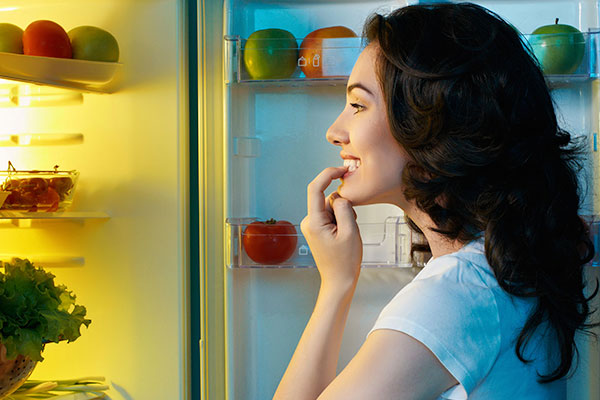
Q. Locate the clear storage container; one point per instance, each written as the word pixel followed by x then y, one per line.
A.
pixel 37 190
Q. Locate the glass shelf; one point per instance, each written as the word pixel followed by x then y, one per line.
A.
pixel 337 57
pixel 41 139
pixel 23 219
pixel 92 76
pixel 385 245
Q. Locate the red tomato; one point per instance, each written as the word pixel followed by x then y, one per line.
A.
pixel 46 38
pixel 49 198
pixel 270 242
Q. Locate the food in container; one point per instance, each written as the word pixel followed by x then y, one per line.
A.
pixel 32 191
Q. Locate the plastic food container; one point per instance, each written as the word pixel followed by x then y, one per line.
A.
pixel 33 191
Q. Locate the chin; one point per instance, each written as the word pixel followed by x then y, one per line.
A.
pixel 357 199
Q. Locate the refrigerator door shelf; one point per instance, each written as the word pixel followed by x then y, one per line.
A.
pixel 334 59
pixel 560 53
pixel 337 57
pixel 595 234
pixel 385 244
pixel 62 72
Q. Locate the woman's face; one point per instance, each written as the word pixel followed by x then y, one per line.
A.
pixel 363 133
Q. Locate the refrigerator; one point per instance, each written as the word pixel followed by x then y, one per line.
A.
pixel 178 150
pixel 262 140
pixel 123 247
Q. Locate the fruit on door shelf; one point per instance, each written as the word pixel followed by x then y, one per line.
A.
pixel 270 242
pixel 271 54
pixel 558 47
pixel 311 49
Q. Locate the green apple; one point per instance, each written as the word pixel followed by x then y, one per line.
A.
pixel 559 48
pixel 94 44
pixel 271 54
pixel 11 38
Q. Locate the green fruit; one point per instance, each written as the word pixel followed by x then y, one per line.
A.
pixel 271 54
pixel 11 38
pixel 94 44
pixel 559 48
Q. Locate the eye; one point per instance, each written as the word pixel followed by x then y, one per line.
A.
pixel 357 107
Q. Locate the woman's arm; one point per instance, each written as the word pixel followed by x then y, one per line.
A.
pixel 390 364
pixel 332 234
pixel 313 365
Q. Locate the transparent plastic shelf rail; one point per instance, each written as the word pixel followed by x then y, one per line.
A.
pixel 385 244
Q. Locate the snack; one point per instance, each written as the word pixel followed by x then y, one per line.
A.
pixel 38 190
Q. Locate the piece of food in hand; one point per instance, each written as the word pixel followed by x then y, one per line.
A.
pixel 271 54
pixel 93 44
pixel 559 48
pixel 46 38
pixel 270 242
pixel 11 38
pixel 311 49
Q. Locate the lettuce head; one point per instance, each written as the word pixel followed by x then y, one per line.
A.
pixel 34 311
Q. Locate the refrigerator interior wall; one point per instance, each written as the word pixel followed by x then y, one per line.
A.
pixel 275 144
pixel 132 161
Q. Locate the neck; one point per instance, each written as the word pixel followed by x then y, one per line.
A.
pixel 438 243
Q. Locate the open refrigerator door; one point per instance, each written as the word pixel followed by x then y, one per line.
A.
pixel 273 144
pixel 119 238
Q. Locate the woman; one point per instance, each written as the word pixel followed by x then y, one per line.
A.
pixel 449 118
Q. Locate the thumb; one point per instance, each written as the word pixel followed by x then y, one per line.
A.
pixel 344 215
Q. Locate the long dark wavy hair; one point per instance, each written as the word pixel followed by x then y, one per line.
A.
pixel 468 102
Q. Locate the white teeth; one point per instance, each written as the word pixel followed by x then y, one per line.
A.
pixel 351 164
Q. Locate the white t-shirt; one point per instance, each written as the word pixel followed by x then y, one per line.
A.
pixel 456 308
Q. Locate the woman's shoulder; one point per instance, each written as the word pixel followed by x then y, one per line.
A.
pixel 467 266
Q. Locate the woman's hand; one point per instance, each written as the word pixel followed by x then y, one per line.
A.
pixel 332 233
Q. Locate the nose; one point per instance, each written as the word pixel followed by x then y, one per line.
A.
pixel 337 134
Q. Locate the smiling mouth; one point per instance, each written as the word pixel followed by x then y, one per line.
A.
pixel 352 165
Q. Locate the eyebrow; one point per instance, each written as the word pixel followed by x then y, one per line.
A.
pixel 359 86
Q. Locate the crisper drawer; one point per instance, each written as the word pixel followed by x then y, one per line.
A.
pixel 385 244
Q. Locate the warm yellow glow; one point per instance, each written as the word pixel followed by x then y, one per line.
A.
pixel 23 140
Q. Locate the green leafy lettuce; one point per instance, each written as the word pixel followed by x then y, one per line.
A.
pixel 34 311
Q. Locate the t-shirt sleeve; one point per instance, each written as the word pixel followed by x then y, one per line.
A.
pixel 454 314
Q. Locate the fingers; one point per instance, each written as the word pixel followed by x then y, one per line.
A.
pixel 345 215
pixel 315 196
